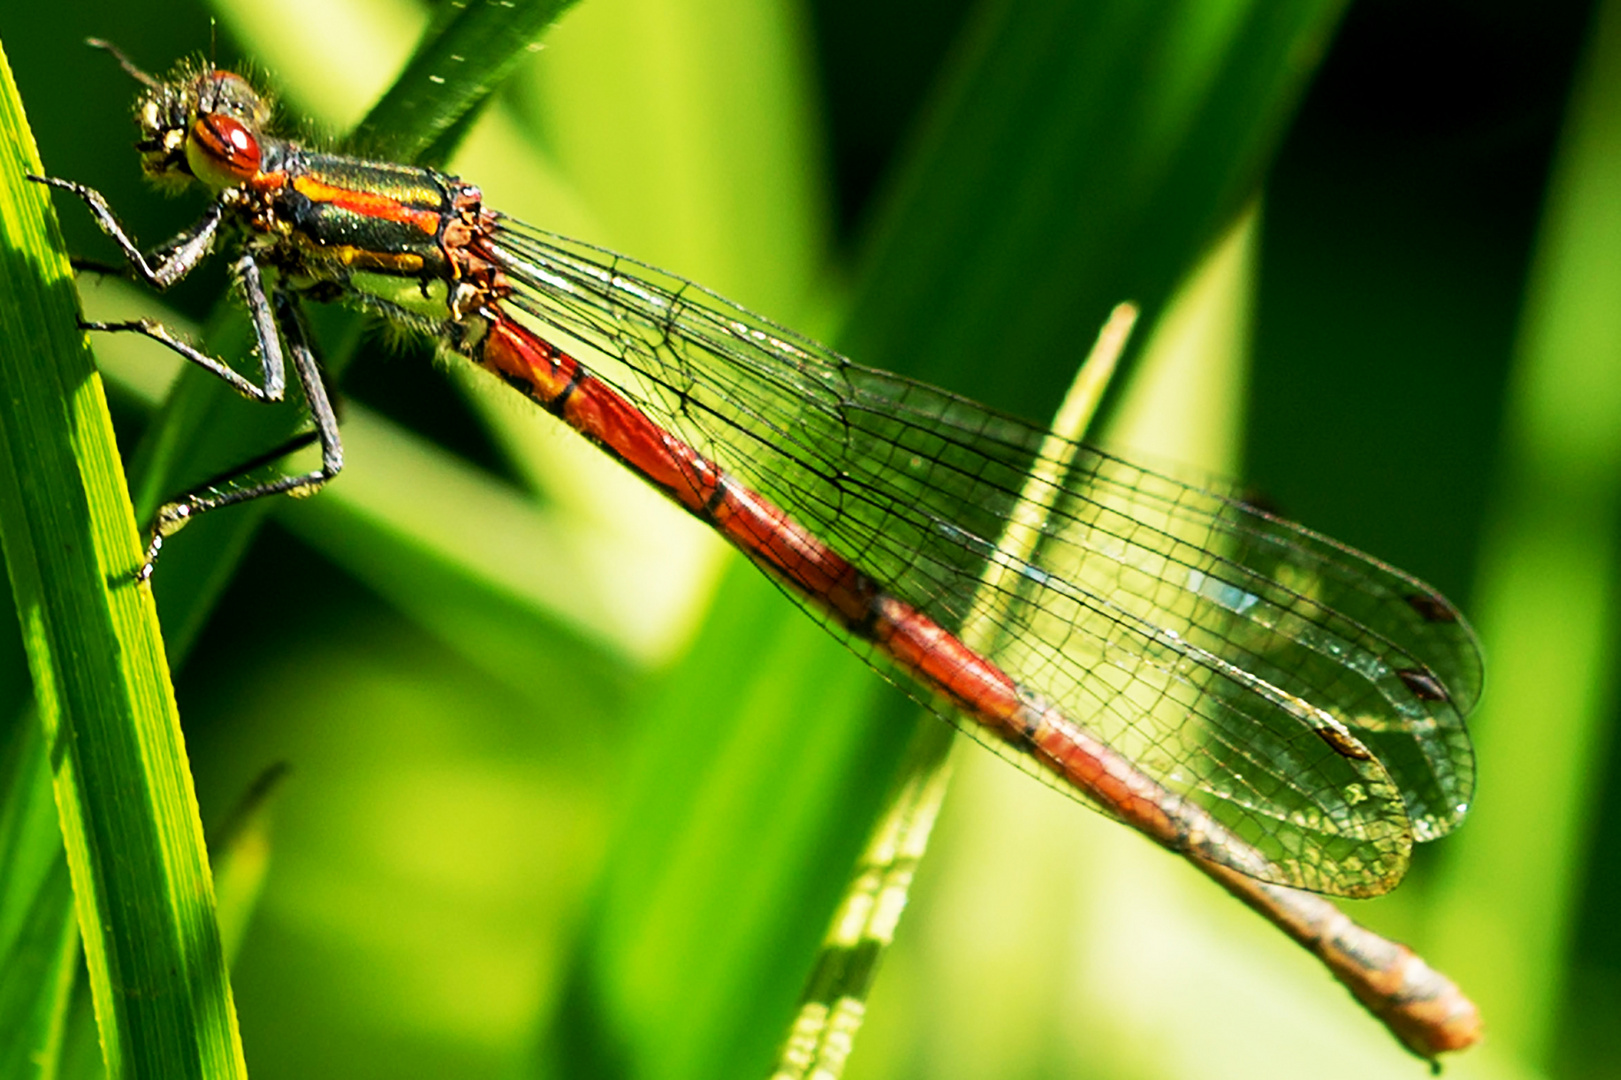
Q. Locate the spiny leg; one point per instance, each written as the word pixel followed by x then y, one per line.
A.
pixel 165 264
pixel 173 516
pixel 272 364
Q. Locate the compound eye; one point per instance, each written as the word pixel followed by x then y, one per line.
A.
pixel 229 93
pixel 221 151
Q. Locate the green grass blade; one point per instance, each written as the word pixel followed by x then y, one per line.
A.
pixel 241 847
pixel 129 815
pixel 863 929
pixel 460 63
pixel 39 942
pixel 1153 121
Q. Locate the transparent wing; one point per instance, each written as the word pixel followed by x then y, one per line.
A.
pixel 1309 697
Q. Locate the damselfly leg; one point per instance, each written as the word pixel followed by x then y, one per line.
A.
pixel 275 317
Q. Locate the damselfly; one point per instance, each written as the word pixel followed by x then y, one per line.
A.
pixel 1282 710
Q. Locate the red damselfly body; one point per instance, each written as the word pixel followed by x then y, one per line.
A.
pixel 1285 712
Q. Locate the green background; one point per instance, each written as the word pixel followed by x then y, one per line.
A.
pixel 570 792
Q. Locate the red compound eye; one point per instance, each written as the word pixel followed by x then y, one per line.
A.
pixel 222 152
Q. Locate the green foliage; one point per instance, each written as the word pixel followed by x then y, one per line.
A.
pixel 572 795
pixel 108 727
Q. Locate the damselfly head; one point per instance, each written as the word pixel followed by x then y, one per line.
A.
pixel 198 123
pixel 204 125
